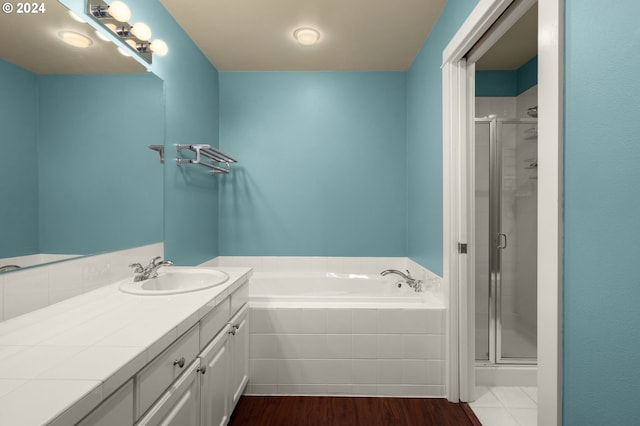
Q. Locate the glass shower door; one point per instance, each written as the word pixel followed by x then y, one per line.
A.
pixel 514 230
pixel 505 240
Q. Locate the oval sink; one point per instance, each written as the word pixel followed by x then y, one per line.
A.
pixel 174 280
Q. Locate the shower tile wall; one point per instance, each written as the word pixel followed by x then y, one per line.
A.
pixel 516 300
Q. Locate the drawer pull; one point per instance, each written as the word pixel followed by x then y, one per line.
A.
pixel 179 362
pixel 234 328
pixel 202 369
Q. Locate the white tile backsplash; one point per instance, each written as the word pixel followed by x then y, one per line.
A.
pixel 27 290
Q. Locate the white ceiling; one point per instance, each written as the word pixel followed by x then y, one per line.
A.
pixel 31 41
pixel 257 35
pixel 516 47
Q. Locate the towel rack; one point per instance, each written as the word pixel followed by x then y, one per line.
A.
pixel 207 156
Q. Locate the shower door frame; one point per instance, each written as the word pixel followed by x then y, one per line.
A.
pixel 458 84
pixel 495 253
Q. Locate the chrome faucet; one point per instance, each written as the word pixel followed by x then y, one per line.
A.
pixel 411 282
pixel 150 271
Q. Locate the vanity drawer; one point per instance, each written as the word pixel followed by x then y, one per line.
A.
pixel 213 322
pixel 239 298
pixel 156 377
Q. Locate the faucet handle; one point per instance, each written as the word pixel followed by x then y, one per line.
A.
pixel 138 268
pixel 154 260
pixel 409 275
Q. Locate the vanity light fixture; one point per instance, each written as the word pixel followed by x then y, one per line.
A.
pixel 75 39
pixel 115 17
pixel 141 31
pixel 117 10
pixel 306 36
pixel 158 47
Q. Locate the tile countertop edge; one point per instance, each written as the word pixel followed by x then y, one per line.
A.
pixel 76 402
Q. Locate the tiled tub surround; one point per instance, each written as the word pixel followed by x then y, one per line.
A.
pixel 346 347
pixel 347 351
pixel 59 362
pixel 23 291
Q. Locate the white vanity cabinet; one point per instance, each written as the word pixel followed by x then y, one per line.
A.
pixel 196 381
pixel 154 379
pixel 180 405
pixel 239 354
pixel 214 383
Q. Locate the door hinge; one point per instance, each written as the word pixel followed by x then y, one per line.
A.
pixel 462 248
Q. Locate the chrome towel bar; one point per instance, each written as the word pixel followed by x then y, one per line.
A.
pixel 207 156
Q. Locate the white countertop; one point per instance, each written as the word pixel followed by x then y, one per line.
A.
pixel 59 362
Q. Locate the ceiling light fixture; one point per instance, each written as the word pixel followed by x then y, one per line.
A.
pixel 75 39
pixel 115 17
pixel 306 36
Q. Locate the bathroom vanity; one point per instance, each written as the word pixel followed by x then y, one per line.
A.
pixel 108 357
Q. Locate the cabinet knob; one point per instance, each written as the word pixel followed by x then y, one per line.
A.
pixel 202 369
pixel 179 362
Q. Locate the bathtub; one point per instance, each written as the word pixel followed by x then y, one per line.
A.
pixel 337 289
pixel 319 333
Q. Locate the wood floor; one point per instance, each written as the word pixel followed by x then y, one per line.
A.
pixel 347 411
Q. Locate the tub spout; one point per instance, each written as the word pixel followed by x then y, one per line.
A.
pixel 411 282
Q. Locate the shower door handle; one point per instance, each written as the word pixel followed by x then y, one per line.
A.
pixel 502 241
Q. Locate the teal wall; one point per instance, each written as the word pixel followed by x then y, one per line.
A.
pixel 424 139
pixel 191 85
pixel 191 116
pixel 322 167
pixel 18 161
pixel 507 83
pixel 100 188
pixel 601 214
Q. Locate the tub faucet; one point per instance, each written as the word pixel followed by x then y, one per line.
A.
pixel 150 271
pixel 411 282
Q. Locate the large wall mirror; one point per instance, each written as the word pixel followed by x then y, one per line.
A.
pixel 76 174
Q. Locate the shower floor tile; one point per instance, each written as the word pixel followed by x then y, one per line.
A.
pixel 506 405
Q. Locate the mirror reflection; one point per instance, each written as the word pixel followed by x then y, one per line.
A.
pixel 76 174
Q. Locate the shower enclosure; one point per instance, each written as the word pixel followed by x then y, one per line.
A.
pixel 505 240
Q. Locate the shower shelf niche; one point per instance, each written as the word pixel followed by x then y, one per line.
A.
pixel 207 156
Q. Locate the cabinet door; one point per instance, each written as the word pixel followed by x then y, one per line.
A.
pixel 214 382
pixel 239 352
pixel 180 405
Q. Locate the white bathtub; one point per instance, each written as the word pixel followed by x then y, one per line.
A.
pixel 337 289
pixel 315 333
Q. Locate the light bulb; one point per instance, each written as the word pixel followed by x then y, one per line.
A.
pixel 119 11
pixel 159 47
pixel 141 31
pixel 306 36
pixel 131 43
pixel 112 27
pixel 75 39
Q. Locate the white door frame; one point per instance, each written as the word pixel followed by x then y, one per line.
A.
pixel 457 131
